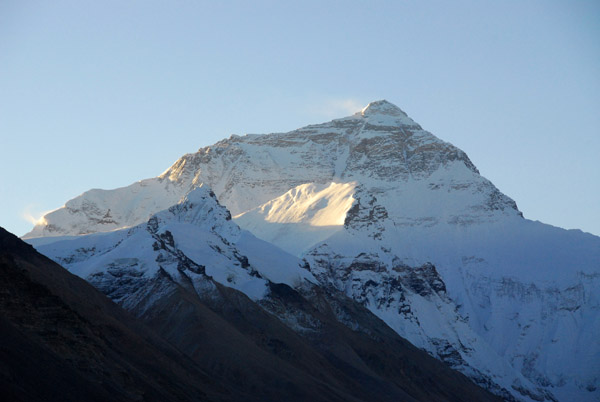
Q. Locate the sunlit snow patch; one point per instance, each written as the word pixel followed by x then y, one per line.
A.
pixel 302 217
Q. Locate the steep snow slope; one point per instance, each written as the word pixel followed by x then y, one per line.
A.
pixel 507 285
pixel 301 217
pixel 516 293
pixel 105 210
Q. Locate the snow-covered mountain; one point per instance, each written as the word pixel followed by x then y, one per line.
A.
pixel 379 147
pixel 402 222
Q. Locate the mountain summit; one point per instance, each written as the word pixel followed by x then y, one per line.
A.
pixel 403 223
pixel 382 107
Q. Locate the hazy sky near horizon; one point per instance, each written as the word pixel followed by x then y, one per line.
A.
pixel 102 94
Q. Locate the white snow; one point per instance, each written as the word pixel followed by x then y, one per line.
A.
pixel 302 217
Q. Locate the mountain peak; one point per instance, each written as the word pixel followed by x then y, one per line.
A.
pixel 200 208
pixel 382 107
pixel 199 195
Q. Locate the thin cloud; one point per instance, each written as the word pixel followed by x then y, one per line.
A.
pixel 336 108
pixel 33 215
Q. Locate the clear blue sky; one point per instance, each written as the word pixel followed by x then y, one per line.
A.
pixel 99 94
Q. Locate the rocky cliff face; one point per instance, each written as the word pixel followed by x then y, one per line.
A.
pixel 402 222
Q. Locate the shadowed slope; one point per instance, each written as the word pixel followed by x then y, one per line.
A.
pixel 62 340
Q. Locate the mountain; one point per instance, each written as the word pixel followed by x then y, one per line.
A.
pixel 250 314
pixel 380 147
pixel 402 222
